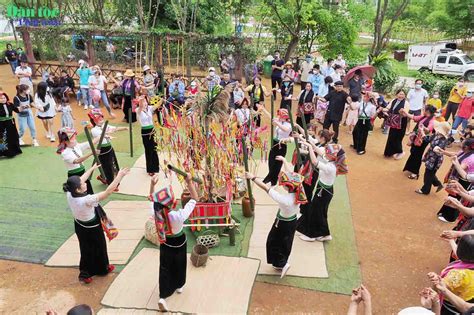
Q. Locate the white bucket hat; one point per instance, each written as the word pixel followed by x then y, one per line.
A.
pixel 146 68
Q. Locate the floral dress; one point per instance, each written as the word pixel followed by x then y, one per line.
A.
pixel 432 159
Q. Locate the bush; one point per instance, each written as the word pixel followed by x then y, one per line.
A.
pixel 385 77
pixel 429 81
pixel 397 46
pixel 445 86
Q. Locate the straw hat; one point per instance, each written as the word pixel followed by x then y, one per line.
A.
pixel 129 73
pixel 146 68
pixel 212 69
pixel 288 63
pixel 442 127
pixel 119 75
pixel 417 310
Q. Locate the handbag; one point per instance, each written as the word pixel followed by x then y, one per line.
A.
pixel 308 108
pixel 108 226
pixel 394 121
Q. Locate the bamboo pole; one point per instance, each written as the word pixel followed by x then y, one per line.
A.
pixel 94 152
pixel 182 173
pixel 305 128
pixel 272 102
pixel 177 56
pixel 246 165
pixel 298 153
pixel 130 130
pixel 182 56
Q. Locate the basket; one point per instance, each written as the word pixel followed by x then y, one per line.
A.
pixel 150 231
pixel 208 238
pixel 199 255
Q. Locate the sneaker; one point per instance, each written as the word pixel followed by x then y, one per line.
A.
pixel 86 107
pixel 442 219
pixel 22 142
pixel 284 270
pixel 91 107
pixel 52 139
pixel 324 238
pixel 162 305
pixel 48 135
pixel 361 152
pixel 180 290
pixel 440 187
pixel 86 280
pixel 306 238
pixel 35 143
pixel 399 156
pixel 110 268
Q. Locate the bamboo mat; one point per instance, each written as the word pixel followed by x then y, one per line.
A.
pixel 223 286
pixel 128 216
pixel 307 259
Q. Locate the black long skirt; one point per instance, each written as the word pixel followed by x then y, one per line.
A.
pixel 173 263
pixel 127 104
pixel 450 213
pixel 360 134
pixel 280 242
pixel 94 259
pixel 413 163
pixel 394 140
pixel 274 166
pixel 151 156
pixel 109 163
pixel 90 191
pixel 314 222
pixel 308 190
pixel 9 139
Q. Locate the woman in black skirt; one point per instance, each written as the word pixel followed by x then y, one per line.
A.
pixel 257 93
pixel 9 139
pixel 286 93
pixel 306 105
pixel 280 238
pixel 313 224
pixel 465 161
pixel 130 89
pixel 169 227
pixel 367 112
pixel 398 125
pixel 107 156
pixel 72 153
pixel 86 211
pixel 145 117
pixel 282 131
pixel 419 140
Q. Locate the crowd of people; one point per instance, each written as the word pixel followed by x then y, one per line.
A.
pixel 325 99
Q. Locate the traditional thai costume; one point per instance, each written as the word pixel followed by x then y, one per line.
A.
pixel 366 112
pixel 69 154
pixel 145 117
pixel 280 237
pixel 398 126
pixel 314 221
pixel 306 107
pixel 418 143
pixel 169 226
pixel 277 149
pixel 107 157
pixel 9 139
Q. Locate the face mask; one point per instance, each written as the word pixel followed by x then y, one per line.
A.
pixel 435 96
pixel 93 71
pixel 277 56
pixel 211 73
pixel 469 94
pixel 417 86
pixel 460 85
pixel 286 83
pixel 308 60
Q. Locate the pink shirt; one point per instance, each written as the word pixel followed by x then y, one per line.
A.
pixel 419 120
pixel 466 108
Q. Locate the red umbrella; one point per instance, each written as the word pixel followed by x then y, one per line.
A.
pixel 368 72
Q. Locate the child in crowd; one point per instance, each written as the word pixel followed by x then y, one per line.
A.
pixel 353 114
pixel 66 110
pixel 435 100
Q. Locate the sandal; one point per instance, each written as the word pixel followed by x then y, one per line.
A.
pixel 418 191
pixel 413 176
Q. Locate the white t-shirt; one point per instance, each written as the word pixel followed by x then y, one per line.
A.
pixel 243 115
pixel 71 154
pixel 48 99
pixel 177 217
pixel 416 98
pixel 24 80
pixel 146 117
pixel 98 83
pixel 83 207
pixel 370 109
pixel 341 62
pixel 281 134
pixel 97 132
pixel 327 172
pixel 286 203
pixel 335 76
pixel 306 67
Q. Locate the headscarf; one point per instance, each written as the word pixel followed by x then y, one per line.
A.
pixel 94 115
pixel 163 201
pixel 64 135
pixel 283 113
pixel 294 182
pixel 334 152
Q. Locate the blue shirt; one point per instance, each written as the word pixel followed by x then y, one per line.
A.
pixel 328 71
pixel 316 80
pixel 84 75
pixel 177 87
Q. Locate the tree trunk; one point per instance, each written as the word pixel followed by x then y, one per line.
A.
pixel 187 57
pixel 291 47
pixel 90 50
pixel 28 48
pixel 238 65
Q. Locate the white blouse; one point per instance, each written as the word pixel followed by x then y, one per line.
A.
pixel 286 203
pixel 280 133
pixel 327 172
pixel 146 117
pixel 71 154
pixel 97 132
pixel 83 208
pixel 243 115
pixel 177 217
pixel 51 112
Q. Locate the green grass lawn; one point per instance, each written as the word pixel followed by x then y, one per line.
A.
pixel 401 68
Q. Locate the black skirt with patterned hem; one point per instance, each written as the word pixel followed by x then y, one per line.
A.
pixel 109 163
pixel 280 241
pixel 9 139
pixel 93 247
pixel 314 221
pixel 173 262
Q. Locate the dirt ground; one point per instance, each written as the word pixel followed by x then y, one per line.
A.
pixel 396 230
